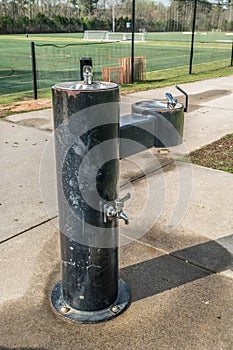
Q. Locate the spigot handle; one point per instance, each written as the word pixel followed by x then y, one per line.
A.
pixel 115 208
pixel 126 197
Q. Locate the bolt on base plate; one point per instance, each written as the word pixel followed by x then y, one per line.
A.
pixel 90 316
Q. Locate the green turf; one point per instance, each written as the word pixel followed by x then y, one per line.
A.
pixel 200 37
pixel 56 64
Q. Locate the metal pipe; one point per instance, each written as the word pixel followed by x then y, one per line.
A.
pixel 113 16
pixel 186 98
pixel 193 34
pixel 34 77
pixel 232 54
pixel 86 119
pixel 132 45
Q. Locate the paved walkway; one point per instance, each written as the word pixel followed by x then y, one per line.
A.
pixel 175 255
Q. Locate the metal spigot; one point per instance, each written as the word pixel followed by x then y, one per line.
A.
pixel 87 75
pixel 171 101
pixel 115 209
pixel 119 205
pixel 123 216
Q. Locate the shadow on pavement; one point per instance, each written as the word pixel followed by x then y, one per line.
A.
pixel 163 273
pixel 145 278
pixel 1 348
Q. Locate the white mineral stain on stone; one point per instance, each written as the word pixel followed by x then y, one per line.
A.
pixel 79 148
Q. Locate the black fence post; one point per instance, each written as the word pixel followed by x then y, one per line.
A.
pixel 193 34
pixel 132 45
pixel 232 54
pixel 34 78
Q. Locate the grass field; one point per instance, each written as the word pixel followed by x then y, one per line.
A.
pixel 60 62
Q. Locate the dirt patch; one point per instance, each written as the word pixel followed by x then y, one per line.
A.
pixel 24 106
pixel 217 155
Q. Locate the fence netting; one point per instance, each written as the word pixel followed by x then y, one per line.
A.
pixel 160 51
pixel 57 63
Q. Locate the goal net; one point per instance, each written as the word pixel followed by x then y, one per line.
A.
pixel 112 36
pixel 95 35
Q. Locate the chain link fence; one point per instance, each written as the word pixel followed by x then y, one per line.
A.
pixel 160 51
pixel 58 60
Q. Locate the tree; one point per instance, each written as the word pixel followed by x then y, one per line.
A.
pixel 87 7
pixel 23 23
pixel 74 3
pixel 6 24
pixel 41 23
pixel 63 15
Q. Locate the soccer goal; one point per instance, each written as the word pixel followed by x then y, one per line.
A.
pixel 95 35
pixel 112 36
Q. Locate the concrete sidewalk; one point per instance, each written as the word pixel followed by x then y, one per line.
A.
pixel 176 254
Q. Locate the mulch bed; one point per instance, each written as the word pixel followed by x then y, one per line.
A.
pixel 217 155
